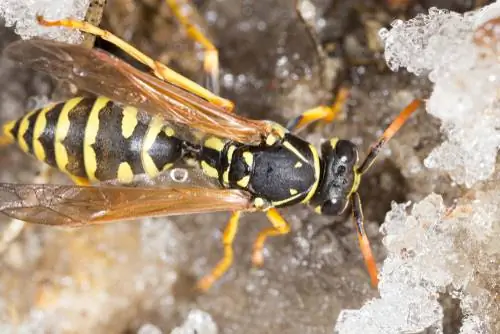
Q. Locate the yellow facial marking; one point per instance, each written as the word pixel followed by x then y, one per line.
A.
pixel 62 129
pixel 214 143
pixel 298 164
pixel 169 131
pixel 317 172
pixel 334 141
pixel 23 127
pixel 40 124
pixel 125 174
pixel 155 126
pixel 318 209
pixel 90 136
pixel 209 170
pixel 248 157
pixel 355 184
pixel 293 191
pixel 292 149
pixel 129 121
pixel 243 182
pixel 259 202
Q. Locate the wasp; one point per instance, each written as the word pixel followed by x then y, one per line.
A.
pixel 136 125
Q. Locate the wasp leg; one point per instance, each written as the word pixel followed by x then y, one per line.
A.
pixel 280 227
pixel 161 71
pixel 182 10
pixel 364 243
pixel 322 113
pixel 229 233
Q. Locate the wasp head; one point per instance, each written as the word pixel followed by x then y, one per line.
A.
pixel 339 177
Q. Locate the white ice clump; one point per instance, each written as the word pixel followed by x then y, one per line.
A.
pixel 466 76
pixel 22 15
pixel 433 251
pixel 197 322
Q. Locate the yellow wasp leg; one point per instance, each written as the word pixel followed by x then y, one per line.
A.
pixel 211 56
pixel 321 113
pixel 161 71
pixel 229 233
pixel 280 227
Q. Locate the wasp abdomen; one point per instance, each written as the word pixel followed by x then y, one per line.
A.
pixel 97 139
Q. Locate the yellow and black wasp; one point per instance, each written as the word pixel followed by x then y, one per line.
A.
pixel 127 131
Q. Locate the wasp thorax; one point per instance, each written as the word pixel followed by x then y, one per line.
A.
pixel 339 159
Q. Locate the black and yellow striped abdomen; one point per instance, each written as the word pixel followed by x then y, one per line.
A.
pixel 96 139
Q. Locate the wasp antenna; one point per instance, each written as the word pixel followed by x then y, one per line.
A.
pixel 364 243
pixel 387 135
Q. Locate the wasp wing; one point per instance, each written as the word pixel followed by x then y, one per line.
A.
pixel 71 205
pixel 99 72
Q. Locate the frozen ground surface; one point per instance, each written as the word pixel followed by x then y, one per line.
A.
pixel 435 251
pixel 21 14
pixel 462 62
pixel 131 277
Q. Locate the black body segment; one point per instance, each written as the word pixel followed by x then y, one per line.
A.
pixel 283 174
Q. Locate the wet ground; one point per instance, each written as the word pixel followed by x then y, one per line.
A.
pixel 116 278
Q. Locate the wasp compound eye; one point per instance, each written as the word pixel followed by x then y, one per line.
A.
pixel 333 207
pixel 346 151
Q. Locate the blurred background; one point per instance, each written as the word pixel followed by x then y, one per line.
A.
pixel 139 276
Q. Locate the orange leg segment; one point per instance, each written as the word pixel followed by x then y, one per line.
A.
pixel 280 227
pixel 182 10
pixel 229 234
pixel 321 113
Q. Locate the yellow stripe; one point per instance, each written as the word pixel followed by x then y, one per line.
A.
pixel 23 127
pixel 40 124
pixel 289 199
pixel 243 182
pixel 7 128
pixel 248 158
pixel 209 170
pixel 129 121
pixel 155 126
pixel 292 148
pixel 62 129
pixel 125 174
pixel 214 143
pixel 317 171
pixel 89 139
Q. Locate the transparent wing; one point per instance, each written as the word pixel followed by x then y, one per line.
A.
pixel 103 74
pixel 70 205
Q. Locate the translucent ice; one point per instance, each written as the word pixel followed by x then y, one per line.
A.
pixel 22 15
pixel 466 74
pixel 433 251
pixel 197 322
